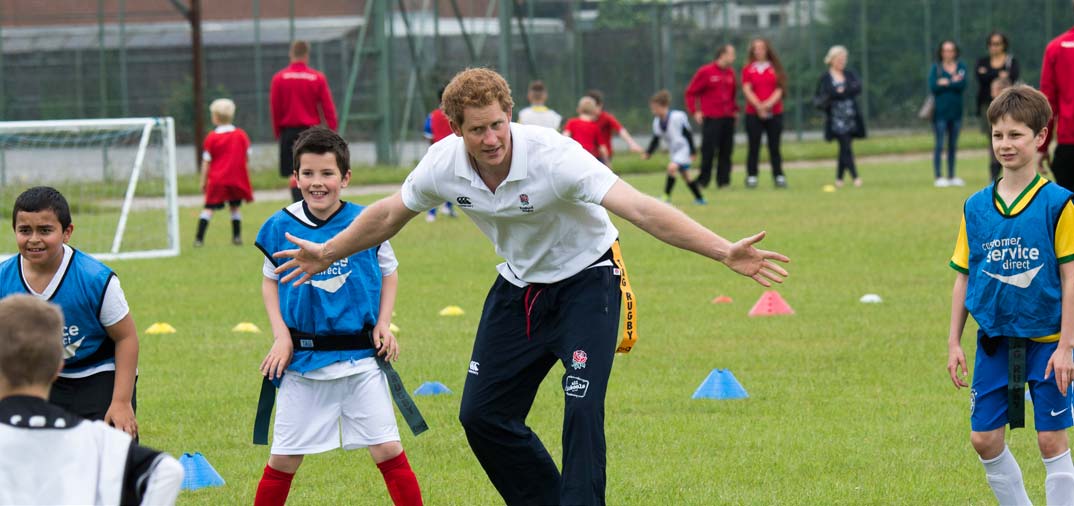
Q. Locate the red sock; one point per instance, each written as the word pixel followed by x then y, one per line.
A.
pixel 273 488
pixel 402 484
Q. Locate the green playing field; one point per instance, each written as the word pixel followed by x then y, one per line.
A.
pixel 849 403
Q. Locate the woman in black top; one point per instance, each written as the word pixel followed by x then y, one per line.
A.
pixel 998 63
pixel 835 95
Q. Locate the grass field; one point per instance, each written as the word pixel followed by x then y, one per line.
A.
pixel 849 403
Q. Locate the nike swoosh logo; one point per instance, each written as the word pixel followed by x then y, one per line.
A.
pixel 332 284
pixel 1057 413
pixel 1021 280
pixel 70 350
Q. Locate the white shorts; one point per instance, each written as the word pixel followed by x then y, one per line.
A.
pixel 311 415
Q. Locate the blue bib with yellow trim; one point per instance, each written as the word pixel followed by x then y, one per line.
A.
pixel 1014 285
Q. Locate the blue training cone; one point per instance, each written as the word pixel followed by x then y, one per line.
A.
pixel 198 473
pixel 720 384
pixel 432 388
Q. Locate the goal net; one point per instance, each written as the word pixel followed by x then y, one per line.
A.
pixel 118 175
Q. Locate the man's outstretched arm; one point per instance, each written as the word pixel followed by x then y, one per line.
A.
pixel 677 229
pixel 377 223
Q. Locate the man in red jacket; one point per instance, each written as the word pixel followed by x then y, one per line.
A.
pixel 1057 83
pixel 714 85
pixel 298 97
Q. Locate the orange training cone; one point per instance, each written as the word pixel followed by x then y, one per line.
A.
pixel 723 299
pixel 771 304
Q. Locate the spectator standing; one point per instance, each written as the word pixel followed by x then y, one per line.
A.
pixel 998 63
pixel 298 98
pixel 763 82
pixel 1057 83
pixel 947 82
pixel 836 96
pixel 714 86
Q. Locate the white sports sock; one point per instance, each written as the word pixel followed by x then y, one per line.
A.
pixel 206 214
pixel 1059 485
pixel 1005 478
pixel 236 215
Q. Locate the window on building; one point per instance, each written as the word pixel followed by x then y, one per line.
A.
pixel 749 21
pixel 775 19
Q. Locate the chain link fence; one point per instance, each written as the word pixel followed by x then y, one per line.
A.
pixel 133 63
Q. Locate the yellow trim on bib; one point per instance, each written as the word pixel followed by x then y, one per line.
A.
pixel 630 328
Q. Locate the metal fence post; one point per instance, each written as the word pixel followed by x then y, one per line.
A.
pixel 259 76
pixel 102 77
pixel 864 61
pixel 124 98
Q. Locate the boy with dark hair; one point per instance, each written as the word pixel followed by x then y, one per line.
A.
pixel 224 176
pixel 674 127
pixel 608 126
pixel 99 337
pixel 51 456
pixel 327 333
pixel 1015 276
pixel 538 113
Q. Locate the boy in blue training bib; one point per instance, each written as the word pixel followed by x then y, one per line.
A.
pixel 1013 254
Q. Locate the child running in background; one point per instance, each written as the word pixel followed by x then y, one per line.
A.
pixel 437 127
pixel 224 175
pixel 673 126
pixel 585 130
pixel 608 126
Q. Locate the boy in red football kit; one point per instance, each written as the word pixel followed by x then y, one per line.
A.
pixel 586 131
pixel 223 170
pixel 609 125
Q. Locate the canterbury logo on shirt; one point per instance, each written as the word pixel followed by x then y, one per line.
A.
pixel 1010 254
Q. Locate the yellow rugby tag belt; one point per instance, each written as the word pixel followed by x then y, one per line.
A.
pixel 630 327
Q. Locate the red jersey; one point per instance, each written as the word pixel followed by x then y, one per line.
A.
pixel 586 133
pixel 608 126
pixel 715 87
pixel 439 125
pixel 1057 83
pixel 762 78
pixel 226 149
pixel 295 95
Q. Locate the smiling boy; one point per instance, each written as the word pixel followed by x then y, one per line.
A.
pixel 99 337
pixel 326 334
pixel 1015 276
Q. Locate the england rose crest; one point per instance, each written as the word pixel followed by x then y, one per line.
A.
pixel 578 359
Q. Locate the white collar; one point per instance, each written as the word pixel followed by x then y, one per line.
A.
pixel 223 129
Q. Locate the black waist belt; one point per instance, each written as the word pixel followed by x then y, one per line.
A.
pixel 361 341
pixel 334 342
pixel 1016 379
pixel 105 351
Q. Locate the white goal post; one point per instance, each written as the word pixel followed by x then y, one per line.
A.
pixel 118 176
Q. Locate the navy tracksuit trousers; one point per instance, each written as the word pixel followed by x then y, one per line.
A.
pixel 522 334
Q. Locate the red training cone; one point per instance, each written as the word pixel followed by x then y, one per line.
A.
pixel 723 299
pixel 770 304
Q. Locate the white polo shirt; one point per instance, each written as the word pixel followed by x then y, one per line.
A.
pixel 545 219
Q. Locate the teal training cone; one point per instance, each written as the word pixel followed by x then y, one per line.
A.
pixel 720 384
pixel 432 388
pixel 198 473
